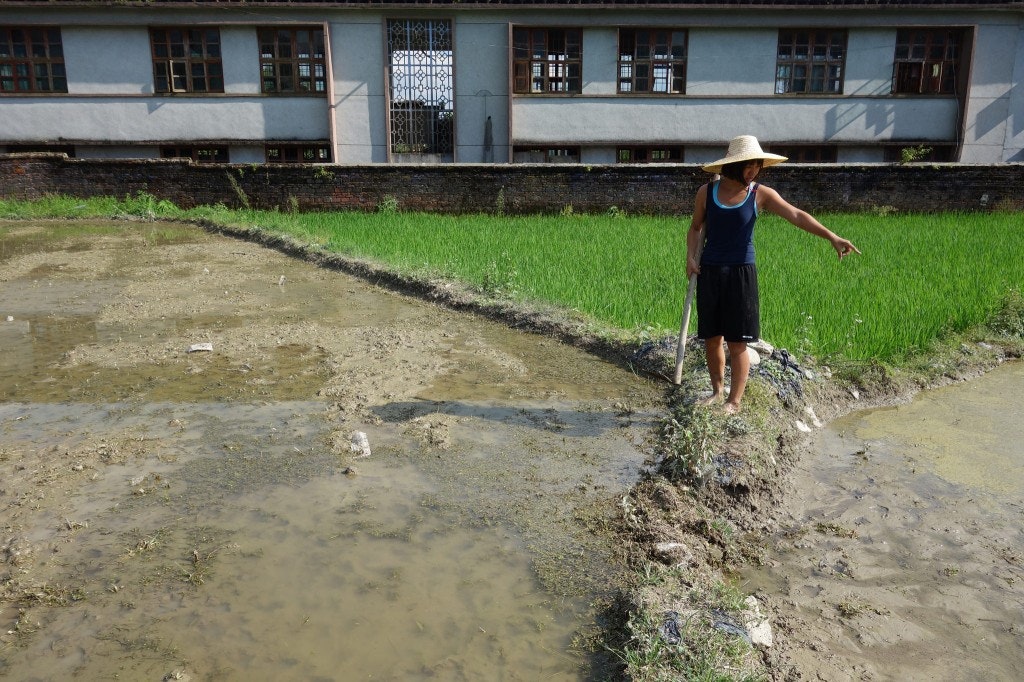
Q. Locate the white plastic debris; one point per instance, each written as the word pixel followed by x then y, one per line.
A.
pixel 803 427
pixel 197 347
pixel 814 418
pixel 360 444
pixel 10 318
pixel 754 356
pixel 281 281
pixel 758 627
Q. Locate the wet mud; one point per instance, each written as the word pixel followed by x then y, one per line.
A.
pixel 180 497
pixel 900 556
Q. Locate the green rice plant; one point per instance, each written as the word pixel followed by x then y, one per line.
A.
pixel 920 277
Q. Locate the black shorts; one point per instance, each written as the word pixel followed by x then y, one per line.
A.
pixel 727 303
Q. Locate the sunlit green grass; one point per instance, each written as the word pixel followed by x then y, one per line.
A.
pixel 920 276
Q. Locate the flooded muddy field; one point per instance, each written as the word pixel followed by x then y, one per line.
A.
pixel 903 555
pixel 183 495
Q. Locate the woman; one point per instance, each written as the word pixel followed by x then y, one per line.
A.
pixel 725 210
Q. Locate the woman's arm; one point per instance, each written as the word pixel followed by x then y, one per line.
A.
pixel 770 200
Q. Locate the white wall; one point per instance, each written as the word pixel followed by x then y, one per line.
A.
pixel 689 121
pixel 1014 145
pixel 730 62
pixel 108 60
pixel 869 55
pixel 481 82
pixel 122 119
pixel 357 57
pixel 995 130
pixel 600 61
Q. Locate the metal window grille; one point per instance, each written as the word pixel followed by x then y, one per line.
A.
pixel 421 81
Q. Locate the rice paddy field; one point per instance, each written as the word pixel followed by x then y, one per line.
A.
pixel 920 277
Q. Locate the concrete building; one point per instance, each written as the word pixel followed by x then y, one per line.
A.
pixel 463 81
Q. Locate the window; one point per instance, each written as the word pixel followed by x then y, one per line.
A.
pixel 547 60
pixel 529 154
pixel 927 61
pixel 292 60
pixel 421 82
pixel 31 60
pixel 810 61
pixel 807 153
pixel 665 154
pixel 187 60
pixel 298 153
pixel 652 61
pixel 211 154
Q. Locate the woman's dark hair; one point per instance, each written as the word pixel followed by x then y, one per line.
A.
pixel 734 170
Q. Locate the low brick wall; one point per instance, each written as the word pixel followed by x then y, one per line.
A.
pixel 518 188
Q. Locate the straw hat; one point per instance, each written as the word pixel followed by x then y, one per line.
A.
pixel 744 148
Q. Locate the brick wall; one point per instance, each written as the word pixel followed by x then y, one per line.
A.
pixel 660 189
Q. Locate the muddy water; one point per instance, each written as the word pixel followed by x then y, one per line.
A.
pixel 904 558
pixel 201 515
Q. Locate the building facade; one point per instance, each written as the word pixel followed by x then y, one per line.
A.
pixel 270 81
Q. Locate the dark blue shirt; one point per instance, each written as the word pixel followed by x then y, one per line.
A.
pixel 729 230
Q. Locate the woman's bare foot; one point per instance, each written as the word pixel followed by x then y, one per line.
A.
pixel 711 400
pixel 731 408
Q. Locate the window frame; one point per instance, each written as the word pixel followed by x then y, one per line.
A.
pixel 551 153
pixel 673 153
pixel 42 60
pixel 297 152
pixel 315 60
pixel 561 64
pixel 820 44
pixel 175 70
pixel 947 80
pixel 211 153
pixel 633 61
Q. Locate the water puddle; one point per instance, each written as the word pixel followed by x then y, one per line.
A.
pixel 903 559
pixel 167 510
